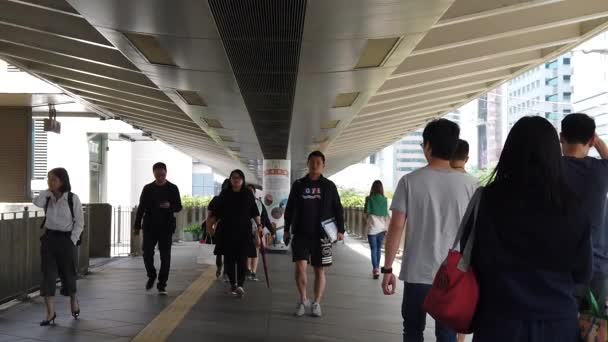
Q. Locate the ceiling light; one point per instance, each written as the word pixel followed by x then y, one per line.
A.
pixel 213 123
pixel 150 47
pixel 376 51
pixel 192 98
pixel 345 99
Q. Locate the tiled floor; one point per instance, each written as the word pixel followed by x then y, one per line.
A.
pixel 114 304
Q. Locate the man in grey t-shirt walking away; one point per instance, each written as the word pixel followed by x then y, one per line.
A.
pixel 428 204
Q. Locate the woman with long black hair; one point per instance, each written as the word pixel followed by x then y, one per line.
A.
pixel 531 245
pixel 63 224
pixel 235 207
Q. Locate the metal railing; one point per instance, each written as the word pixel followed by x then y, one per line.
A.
pixel 20 253
pixel 122 223
pixel 355 225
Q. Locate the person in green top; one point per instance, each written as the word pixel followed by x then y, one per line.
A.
pixel 376 211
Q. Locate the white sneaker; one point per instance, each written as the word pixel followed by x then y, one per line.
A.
pixel 240 292
pixel 316 310
pixel 302 307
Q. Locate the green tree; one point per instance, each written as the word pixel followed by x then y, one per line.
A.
pixel 351 198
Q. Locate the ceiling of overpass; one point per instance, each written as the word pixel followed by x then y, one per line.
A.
pixel 234 81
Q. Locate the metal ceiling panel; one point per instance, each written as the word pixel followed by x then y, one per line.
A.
pixel 263 40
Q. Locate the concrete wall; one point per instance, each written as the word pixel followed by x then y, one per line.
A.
pixel 15 154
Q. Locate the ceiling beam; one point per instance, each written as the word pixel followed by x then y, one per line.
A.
pixel 511 24
pixel 82 87
pixel 463 10
pixel 472 81
pixel 398 82
pixel 491 49
pixel 67 25
pixel 442 96
pixel 44 57
pixel 384 113
pixel 69 47
pixel 56 72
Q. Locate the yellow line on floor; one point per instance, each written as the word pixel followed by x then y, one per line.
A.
pixel 165 323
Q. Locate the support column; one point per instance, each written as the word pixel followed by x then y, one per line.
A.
pixel 15 154
pixel 277 183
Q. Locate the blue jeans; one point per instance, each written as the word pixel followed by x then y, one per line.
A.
pixel 375 243
pixel 414 316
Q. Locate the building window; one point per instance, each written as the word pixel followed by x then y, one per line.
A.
pixel 567 60
pixel 567 111
pixel 551 98
pixel 551 65
pixel 567 96
pixel 567 78
pixel 551 81
pixel 537 83
pixel 372 159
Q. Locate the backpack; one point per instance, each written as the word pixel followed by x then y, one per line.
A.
pixel 70 204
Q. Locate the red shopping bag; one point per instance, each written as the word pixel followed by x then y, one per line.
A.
pixel 452 299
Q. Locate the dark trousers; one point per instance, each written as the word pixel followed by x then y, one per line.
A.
pixel 414 316
pixel 219 263
pixel 235 266
pixel 57 252
pixel 163 238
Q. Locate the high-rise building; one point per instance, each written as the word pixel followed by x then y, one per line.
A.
pixel 591 81
pixel 491 127
pixel 545 91
pixel 408 154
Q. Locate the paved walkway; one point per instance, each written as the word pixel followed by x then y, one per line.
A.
pixel 353 310
pixel 115 307
pixel 114 304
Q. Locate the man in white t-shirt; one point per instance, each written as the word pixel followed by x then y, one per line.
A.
pixel 428 204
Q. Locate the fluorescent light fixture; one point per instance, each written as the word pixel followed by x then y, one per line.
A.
pixel 150 48
pixel 213 123
pixel 192 98
pixel 345 99
pixel 376 51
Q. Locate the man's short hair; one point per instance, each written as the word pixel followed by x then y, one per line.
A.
pixel 159 166
pixel 578 128
pixel 462 150
pixel 317 154
pixel 442 137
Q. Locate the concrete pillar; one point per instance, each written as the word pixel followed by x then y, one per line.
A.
pixel 99 221
pixel 277 183
pixel 16 154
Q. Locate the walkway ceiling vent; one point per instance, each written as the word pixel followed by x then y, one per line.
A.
pixel 192 98
pixel 330 124
pixel 345 99
pixel 213 123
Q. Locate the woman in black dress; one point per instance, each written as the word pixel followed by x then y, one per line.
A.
pixel 235 207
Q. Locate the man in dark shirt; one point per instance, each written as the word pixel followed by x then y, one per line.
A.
pixel 312 200
pixel 159 202
pixel 588 178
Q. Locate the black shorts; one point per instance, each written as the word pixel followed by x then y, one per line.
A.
pixel 317 251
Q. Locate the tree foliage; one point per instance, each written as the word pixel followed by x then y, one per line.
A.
pixel 195 201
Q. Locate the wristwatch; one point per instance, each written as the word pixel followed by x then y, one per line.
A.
pixel 386 270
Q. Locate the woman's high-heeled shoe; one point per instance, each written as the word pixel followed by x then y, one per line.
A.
pixel 48 322
pixel 76 313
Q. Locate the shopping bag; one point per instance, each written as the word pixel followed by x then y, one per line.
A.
pixel 205 254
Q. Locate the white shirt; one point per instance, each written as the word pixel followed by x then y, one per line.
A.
pixel 58 215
